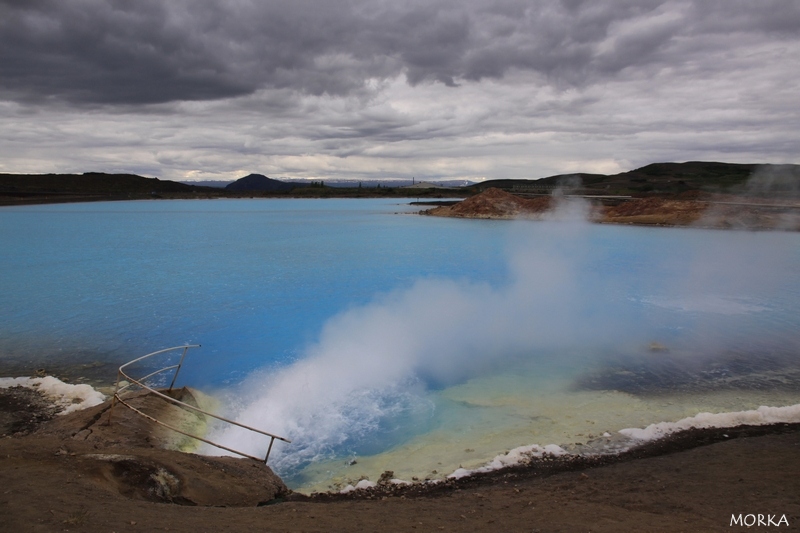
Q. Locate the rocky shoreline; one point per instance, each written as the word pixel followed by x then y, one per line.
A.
pixel 56 476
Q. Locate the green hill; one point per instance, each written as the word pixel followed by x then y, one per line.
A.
pixel 669 179
pixel 89 183
pixel 36 188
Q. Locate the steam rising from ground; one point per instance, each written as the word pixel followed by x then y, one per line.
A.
pixel 773 185
pixel 370 369
pixel 775 181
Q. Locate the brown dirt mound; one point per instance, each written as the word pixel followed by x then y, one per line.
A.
pixel 128 456
pixel 688 209
pixel 494 203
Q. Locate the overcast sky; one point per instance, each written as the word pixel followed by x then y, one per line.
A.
pixel 434 89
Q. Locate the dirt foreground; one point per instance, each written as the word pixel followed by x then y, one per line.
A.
pixel 54 478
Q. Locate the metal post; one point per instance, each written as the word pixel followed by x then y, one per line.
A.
pixel 271 440
pixel 113 400
pixel 185 349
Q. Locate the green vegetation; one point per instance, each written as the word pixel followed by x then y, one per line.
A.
pixel 666 179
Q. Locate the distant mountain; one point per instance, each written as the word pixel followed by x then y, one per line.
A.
pixel 259 182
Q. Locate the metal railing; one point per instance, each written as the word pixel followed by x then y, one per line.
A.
pixel 118 390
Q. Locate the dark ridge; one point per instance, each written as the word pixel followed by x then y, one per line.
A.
pixel 89 183
pixel 665 178
pixel 560 180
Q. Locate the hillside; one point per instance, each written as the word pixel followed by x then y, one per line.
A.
pixel 668 179
pixel 47 188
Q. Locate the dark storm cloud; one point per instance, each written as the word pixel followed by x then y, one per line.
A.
pixel 154 51
pixel 151 51
pixel 467 89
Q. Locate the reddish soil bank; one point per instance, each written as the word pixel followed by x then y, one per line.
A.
pixel 709 211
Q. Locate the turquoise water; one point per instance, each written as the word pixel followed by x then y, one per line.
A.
pixel 363 332
pixel 252 281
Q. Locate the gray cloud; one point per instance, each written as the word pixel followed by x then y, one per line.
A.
pixel 372 88
pixel 150 51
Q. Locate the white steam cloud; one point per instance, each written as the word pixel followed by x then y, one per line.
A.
pixel 373 362
pixel 774 189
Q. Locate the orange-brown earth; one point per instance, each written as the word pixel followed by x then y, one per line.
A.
pixel 690 209
pixel 495 203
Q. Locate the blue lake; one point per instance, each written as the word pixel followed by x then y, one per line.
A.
pixel 252 281
pixel 361 330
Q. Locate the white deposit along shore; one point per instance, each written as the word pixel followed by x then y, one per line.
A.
pixel 762 416
pixel 66 396
pixel 71 398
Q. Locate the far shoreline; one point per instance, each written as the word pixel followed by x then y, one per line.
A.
pixel 789 214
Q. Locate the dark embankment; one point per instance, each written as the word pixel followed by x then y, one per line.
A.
pixel 92 186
